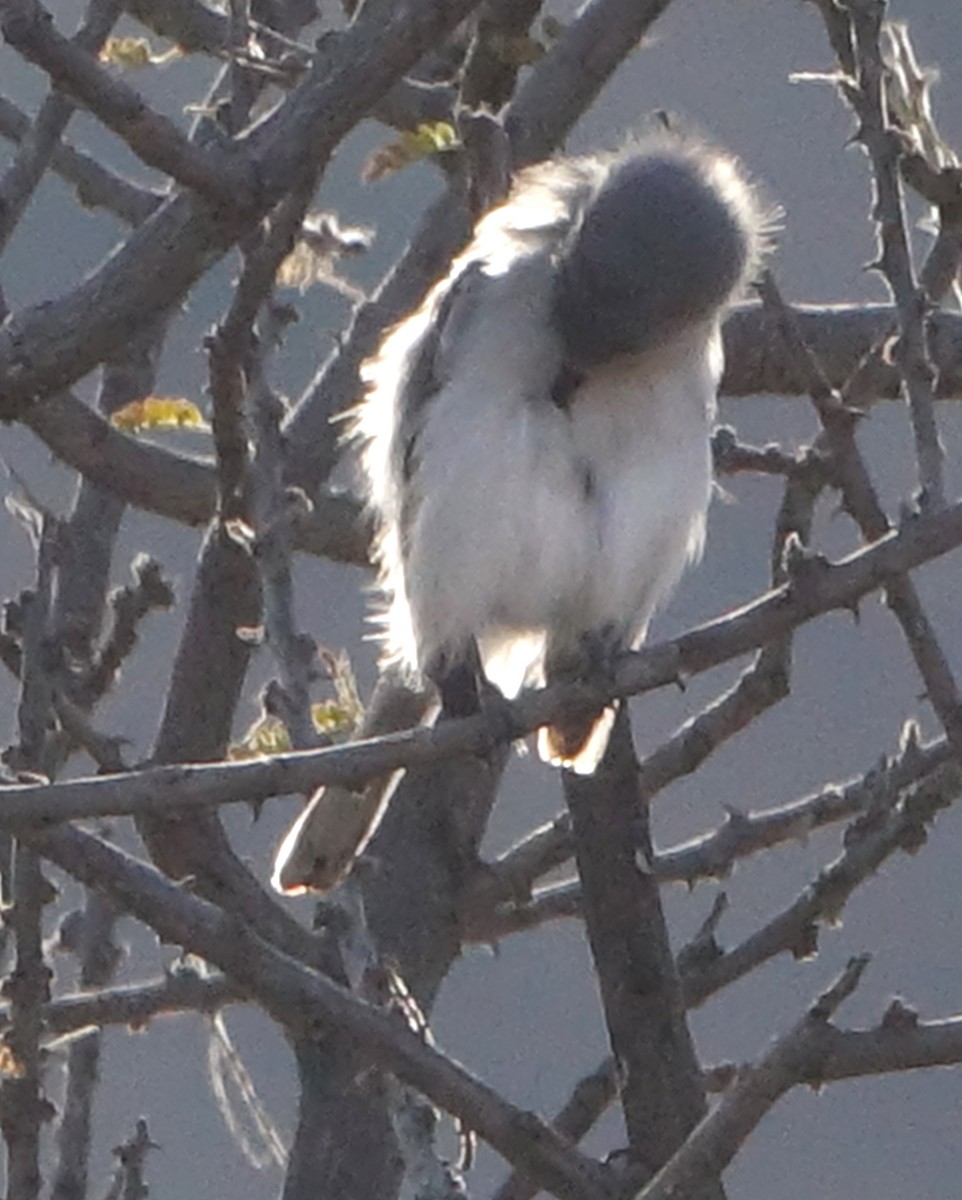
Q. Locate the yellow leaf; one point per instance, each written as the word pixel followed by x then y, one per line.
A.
pixel 133 53
pixel 268 735
pixel 431 137
pixel 332 718
pixel 158 412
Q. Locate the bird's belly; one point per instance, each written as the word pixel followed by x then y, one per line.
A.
pixel 503 539
pixel 525 529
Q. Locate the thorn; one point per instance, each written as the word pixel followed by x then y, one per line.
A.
pixel 643 861
pixel 910 742
pixel 899 1017
pixel 799 563
pixel 805 945
pixel 725 439
pixel 841 989
pixel 736 820
pixel 793 553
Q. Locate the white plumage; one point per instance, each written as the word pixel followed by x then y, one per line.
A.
pixel 536 437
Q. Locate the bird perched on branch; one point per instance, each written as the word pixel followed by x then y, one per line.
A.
pixel 535 442
pixel 535 439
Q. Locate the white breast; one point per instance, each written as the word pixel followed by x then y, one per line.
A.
pixel 532 517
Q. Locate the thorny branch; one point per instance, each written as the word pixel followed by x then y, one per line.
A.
pixel 307 1003
pixel 716 1141
pixel 868 841
pixel 866 94
pixel 505 900
pixel 24 1108
pixel 817 587
pixel 861 501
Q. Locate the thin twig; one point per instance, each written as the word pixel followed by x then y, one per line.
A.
pixel 129 605
pixel 732 457
pixel 222 177
pixel 861 500
pixel 92 934
pixel 868 842
pixel 128 1181
pixel 866 95
pixel 23 1107
pixel 589 1098
pixel 96 187
pixel 496 913
pixel 37 146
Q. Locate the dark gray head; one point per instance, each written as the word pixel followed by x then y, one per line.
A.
pixel 668 237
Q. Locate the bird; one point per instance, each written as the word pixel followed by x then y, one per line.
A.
pixel 534 441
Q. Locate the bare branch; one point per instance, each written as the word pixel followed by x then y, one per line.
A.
pixel 96 187
pixel 842 337
pixel 731 457
pixel 494 909
pixel 23 1107
pixel 490 70
pixel 589 1098
pixel 128 1182
pixel 188 23
pixel 92 933
pixel 135 1005
pixel 306 1002
pixel 866 95
pixel 569 77
pixel 661 1088
pixel 510 878
pixel 493 922
pixel 716 1141
pixel 48 347
pixel 173 485
pixel 713 855
pixel 861 501
pixel 223 177
pixel 294 651
pixel 21 179
pixel 900 1042
pixel 149 592
pixel 868 842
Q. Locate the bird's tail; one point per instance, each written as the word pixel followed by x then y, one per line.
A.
pixel 578 744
